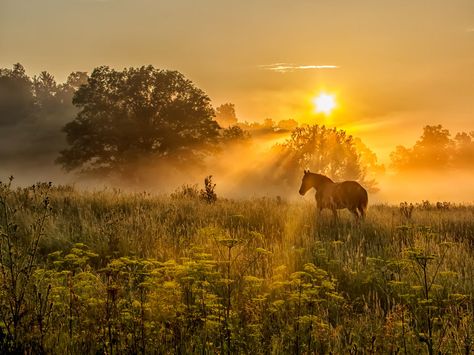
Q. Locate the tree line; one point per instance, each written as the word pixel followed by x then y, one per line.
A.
pixel 110 121
pixel 436 149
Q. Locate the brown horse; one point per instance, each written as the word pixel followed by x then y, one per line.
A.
pixel 336 196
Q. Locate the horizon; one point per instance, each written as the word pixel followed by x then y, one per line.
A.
pixel 387 69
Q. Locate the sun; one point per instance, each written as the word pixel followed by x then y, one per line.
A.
pixel 324 103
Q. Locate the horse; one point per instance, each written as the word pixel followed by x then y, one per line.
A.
pixel 336 196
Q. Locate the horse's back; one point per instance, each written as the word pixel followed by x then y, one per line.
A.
pixel 350 194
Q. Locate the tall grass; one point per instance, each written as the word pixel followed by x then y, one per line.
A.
pixel 113 272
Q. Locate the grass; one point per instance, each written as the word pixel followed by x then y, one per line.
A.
pixel 115 272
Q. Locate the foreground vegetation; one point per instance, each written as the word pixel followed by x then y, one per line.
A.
pixel 110 272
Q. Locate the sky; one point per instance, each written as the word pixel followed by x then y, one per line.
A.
pixel 393 65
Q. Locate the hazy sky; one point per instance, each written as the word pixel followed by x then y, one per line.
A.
pixel 401 64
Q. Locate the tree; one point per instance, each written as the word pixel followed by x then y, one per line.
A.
pixel 464 155
pixel 225 115
pixel 234 134
pixel 434 146
pixel 17 101
pixel 327 151
pixel 436 150
pixel 287 125
pixel 268 123
pixel 134 115
pixel 32 113
pixel 45 89
pixel 65 92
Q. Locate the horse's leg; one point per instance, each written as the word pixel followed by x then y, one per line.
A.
pixel 354 212
pixel 334 212
pixel 319 210
pixel 361 211
pixel 319 206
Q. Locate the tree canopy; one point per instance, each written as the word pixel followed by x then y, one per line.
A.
pixel 135 114
pixel 225 115
pixel 17 99
pixel 327 151
pixel 435 149
pixel 32 113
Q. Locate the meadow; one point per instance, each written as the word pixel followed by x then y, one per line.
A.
pixel 113 272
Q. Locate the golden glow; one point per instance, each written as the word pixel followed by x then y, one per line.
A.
pixel 324 103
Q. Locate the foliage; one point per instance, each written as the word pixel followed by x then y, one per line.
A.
pixel 208 194
pixel 436 150
pixel 136 273
pixel 186 192
pixel 287 125
pixel 21 303
pixel 17 101
pixel 327 151
pixel 138 114
pixel 234 134
pixel 406 210
pixel 269 126
pixel 225 115
pixel 32 111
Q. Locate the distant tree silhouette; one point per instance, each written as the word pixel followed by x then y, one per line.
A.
pixel 38 99
pixel 268 123
pixel 435 150
pixel 287 125
pixel 76 79
pixel 464 154
pixel 225 115
pixel 134 115
pixel 32 113
pixel 46 89
pixel 17 100
pixel 327 151
pixel 234 134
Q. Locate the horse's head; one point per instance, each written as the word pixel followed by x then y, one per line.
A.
pixel 306 183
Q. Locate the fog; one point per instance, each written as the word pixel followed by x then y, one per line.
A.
pixel 240 171
pixel 160 139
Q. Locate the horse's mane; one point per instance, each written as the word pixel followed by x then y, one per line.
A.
pixel 321 178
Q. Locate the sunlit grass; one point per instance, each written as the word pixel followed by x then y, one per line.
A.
pixel 139 272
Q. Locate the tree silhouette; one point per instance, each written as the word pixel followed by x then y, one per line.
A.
pixel 435 150
pixel 17 100
pixel 464 154
pixel 32 113
pixel 225 115
pixel 234 134
pixel 327 151
pixel 287 125
pixel 134 115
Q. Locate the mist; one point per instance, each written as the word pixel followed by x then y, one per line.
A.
pixel 44 137
pixel 242 170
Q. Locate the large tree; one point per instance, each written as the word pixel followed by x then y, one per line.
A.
pixel 134 115
pixel 327 151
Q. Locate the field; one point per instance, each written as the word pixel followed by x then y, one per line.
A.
pixel 113 272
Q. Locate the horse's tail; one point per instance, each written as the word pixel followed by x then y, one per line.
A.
pixel 363 202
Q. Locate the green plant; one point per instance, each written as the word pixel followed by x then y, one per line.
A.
pixel 19 245
pixel 208 194
pixel 118 272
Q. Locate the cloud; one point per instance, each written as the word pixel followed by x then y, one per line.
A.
pixel 285 67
